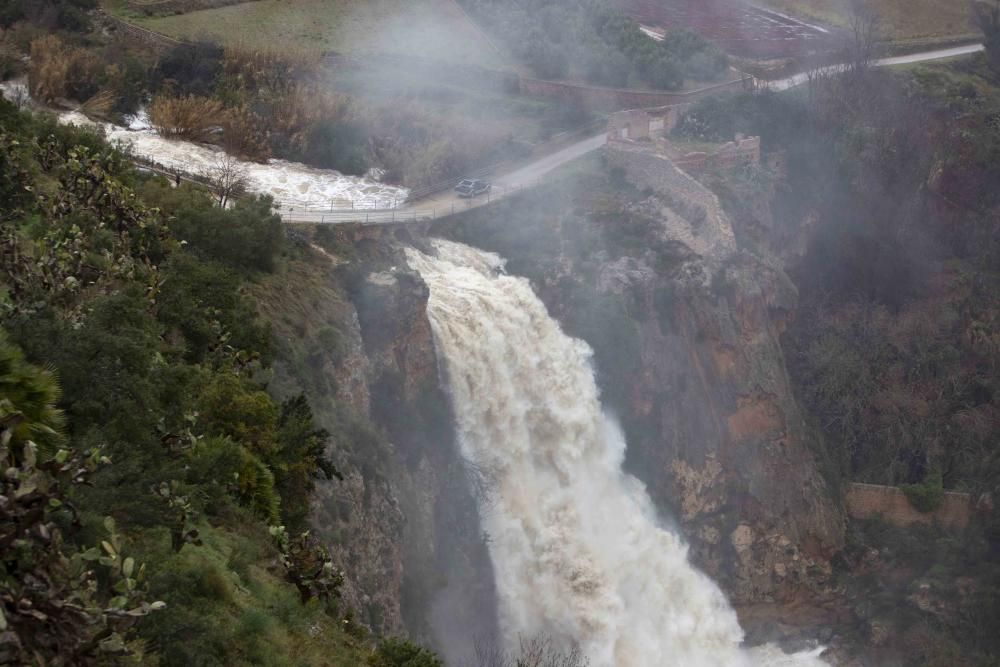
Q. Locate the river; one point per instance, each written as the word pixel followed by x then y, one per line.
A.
pixel 292 185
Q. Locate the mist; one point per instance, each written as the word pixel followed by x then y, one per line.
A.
pixel 628 333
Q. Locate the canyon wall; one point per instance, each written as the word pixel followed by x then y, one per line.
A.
pixel 684 323
pixel 354 337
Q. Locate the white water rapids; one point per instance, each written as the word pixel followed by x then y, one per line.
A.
pixel 578 552
pixel 291 184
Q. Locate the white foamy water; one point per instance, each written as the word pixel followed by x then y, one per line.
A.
pixel 578 552
pixel 292 184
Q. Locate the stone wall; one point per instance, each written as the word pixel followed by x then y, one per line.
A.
pixel 699 221
pixel 177 6
pixel 744 150
pixel 597 97
pixel 864 501
pixel 638 124
pixel 136 36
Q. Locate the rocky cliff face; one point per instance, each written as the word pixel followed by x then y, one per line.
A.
pixel 354 337
pixel 715 431
pixel 641 261
pixel 725 449
pixel 685 326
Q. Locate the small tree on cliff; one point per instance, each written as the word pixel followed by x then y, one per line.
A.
pixel 987 15
pixel 864 34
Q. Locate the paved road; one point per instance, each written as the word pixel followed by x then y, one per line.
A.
pixel 940 54
pixel 446 203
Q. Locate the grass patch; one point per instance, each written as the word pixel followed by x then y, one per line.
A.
pixel 432 29
pixel 495 112
pixel 901 19
pixel 217 609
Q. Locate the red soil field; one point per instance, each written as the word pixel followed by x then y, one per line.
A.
pixel 737 27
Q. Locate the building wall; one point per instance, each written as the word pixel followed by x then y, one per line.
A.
pixel 639 124
pixel 868 500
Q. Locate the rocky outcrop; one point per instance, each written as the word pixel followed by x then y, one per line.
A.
pixel 403 525
pixel 685 326
pixel 713 427
pixel 684 322
pixel 715 431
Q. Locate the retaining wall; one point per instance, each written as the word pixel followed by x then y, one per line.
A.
pixel 637 124
pixel 695 216
pixel 140 37
pixel 868 500
pixel 743 151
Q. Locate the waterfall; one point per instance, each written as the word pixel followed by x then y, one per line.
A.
pixel 578 552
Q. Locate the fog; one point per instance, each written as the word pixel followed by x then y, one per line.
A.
pixel 642 442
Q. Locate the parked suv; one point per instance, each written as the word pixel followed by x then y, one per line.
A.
pixel 471 187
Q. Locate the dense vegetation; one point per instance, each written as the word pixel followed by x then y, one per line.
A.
pixel 151 481
pixel 49 14
pixel 259 105
pixel 896 352
pixel 589 40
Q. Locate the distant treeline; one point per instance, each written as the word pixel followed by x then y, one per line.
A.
pixel 49 14
pixel 589 40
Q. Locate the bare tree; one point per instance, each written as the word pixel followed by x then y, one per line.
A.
pixel 818 77
pixel 539 651
pixel 228 178
pixel 864 35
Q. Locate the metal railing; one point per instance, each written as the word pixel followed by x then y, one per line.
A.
pixel 340 204
pixel 401 215
pixel 364 217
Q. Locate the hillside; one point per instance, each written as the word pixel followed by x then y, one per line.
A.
pixel 431 29
pixel 900 20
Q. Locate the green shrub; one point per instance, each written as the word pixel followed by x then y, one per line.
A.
pixel 154 345
pixel 928 495
pixel 248 237
pixel 402 653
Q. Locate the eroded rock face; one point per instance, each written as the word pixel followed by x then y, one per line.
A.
pixel 402 523
pixel 685 332
pixel 446 589
pixel 685 327
pixel 723 446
